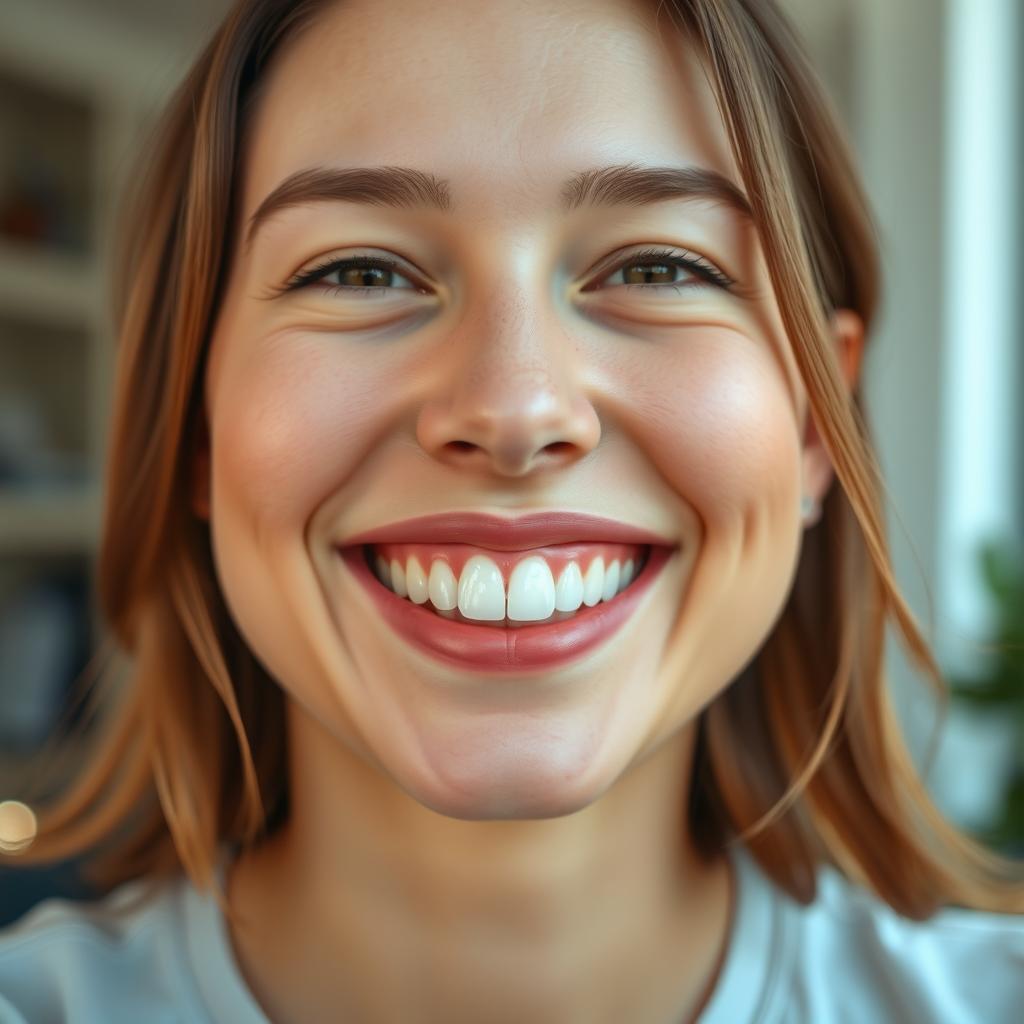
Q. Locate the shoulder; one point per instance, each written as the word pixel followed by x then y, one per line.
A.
pixel 856 951
pixel 848 956
pixel 112 960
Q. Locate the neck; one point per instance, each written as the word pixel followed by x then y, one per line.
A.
pixel 601 915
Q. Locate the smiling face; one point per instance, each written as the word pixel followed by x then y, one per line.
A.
pixel 519 355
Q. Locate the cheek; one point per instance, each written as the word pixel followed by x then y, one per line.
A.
pixel 290 424
pixel 720 426
pixel 718 422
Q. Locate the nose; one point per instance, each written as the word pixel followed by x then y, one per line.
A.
pixel 510 398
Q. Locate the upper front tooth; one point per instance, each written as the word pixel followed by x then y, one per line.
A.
pixel 480 592
pixel 481 589
pixel 593 582
pixel 531 590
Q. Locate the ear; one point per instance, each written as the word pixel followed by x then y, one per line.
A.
pixel 200 470
pixel 848 339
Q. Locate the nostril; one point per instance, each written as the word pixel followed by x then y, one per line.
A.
pixel 559 447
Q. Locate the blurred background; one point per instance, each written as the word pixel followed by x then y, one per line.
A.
pixel 932 94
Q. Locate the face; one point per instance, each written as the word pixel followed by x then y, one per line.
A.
pixel 513 360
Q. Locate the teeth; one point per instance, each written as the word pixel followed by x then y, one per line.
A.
pixel 627 574
pixel 398 578
pixel 569 592
pixel 481 590
pixel 611 581
pixel 531 590
pixel 479 593
pixel 416 581
pixel 442 588
pixel 593 582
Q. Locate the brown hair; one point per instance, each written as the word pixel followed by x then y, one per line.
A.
pixel 800 758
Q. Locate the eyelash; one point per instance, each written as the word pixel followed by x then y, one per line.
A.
pixel 697 265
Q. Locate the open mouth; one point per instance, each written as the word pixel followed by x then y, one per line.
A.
pixel 497 641
pixel 471 585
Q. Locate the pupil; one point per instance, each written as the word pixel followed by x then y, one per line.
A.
pixel 646 271
pixel 364 276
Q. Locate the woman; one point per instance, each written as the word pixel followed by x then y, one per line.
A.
pixel 503 647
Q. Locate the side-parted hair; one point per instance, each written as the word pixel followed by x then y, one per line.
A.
pixel 801 758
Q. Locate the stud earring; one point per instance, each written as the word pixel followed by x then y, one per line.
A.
pixel 807 506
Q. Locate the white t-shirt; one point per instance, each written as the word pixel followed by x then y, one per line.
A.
pixel 845 959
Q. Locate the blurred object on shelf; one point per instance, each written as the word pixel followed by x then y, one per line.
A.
pixel 28 456
pixel 46 180
pixel 43 407
pixel 44 641
pixel 34 207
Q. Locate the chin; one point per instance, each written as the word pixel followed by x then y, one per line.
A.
pixel 519 792
pixel 509 806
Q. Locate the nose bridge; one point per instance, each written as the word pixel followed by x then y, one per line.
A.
pixel 510 395
pixel 507 353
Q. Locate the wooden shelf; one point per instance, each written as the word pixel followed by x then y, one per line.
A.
pixel 46 287
pixel 59 521
pixel 77 99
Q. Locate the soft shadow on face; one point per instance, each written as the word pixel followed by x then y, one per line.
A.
pixel 508 369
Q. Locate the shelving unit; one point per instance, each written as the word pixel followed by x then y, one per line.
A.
pixel 75 97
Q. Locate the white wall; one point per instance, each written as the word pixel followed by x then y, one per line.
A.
pixel 929 91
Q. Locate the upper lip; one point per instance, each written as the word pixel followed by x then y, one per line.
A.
pixel 499 533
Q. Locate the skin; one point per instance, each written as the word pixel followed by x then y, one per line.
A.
pixel 462 847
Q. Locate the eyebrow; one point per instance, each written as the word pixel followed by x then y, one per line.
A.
pixel 408 188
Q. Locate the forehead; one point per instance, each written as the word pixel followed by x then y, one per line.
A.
pixel 505 99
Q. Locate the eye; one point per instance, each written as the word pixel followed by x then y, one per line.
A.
pixel 354 275
pixel 657 269
pixel 375 275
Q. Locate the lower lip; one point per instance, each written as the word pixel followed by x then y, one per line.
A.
pixel 498 648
